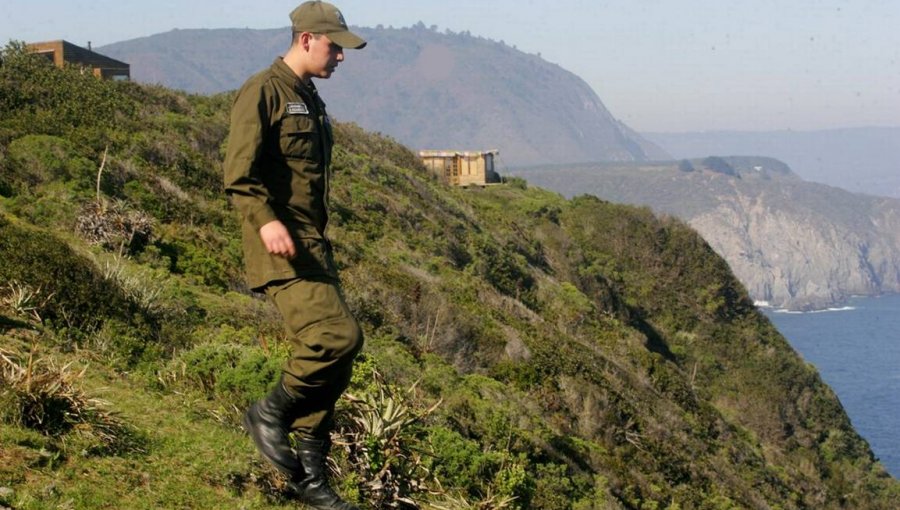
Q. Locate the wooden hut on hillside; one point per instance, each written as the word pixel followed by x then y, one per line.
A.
pixel 63 52
pixel 462 168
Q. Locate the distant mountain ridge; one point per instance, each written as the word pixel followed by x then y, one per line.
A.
pixel 427 89
pixel 792 243
pixel 861 160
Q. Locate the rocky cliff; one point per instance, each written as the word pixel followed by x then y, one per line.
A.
pixel 792 243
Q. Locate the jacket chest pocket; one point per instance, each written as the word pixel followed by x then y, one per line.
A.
pixel 298 138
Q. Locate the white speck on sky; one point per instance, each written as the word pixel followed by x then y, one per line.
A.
pixel 658 65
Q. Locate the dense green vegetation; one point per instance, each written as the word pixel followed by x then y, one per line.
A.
pixel 523 350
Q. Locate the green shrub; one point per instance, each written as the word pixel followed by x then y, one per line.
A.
pixel 62 102
pixel 38 159
pixel 188 258
pixel 516 182
pixel 461 463
pixel 515 479
pixel 553 487
pixel 238 373
pixel 124 345
pixel 54 207
pixel 251 377
pixel 79 298
pixel 505 270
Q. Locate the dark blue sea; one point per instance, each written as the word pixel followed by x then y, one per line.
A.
pixel 857 352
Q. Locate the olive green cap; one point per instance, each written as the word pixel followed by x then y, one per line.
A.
pixel 323 18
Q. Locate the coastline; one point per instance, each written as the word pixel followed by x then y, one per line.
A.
pixel 856 350
pixel 843 305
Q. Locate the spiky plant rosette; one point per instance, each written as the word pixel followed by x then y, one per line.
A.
pixel 41 394
pixel 380 440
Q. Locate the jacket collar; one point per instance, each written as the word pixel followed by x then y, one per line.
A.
pixel 283 72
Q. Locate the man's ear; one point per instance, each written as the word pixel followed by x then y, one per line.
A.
pixel 303 40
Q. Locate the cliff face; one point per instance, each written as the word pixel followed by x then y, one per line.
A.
pixel 801 260
pixel 792 243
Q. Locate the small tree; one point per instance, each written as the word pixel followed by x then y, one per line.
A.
pixel 719 165
pixel 686 166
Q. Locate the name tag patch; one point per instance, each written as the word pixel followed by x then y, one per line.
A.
pixel 297 109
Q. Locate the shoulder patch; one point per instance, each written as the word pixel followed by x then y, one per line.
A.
pixel 297 109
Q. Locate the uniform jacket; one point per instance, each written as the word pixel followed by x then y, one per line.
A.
pixel 277 167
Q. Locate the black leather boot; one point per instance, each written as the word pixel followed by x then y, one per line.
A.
pixel 268 422
pixel 312 485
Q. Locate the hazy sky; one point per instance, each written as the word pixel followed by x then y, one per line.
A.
pixel 658 65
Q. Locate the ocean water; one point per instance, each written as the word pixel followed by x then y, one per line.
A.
pixel 856 349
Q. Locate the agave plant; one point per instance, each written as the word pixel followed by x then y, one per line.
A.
pixel 39 393
pixel 24 300
pixel 489 502
pixel 381 443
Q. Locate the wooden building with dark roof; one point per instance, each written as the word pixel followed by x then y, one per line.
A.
pixel 63 52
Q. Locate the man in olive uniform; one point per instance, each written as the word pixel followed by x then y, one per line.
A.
pixel 277 175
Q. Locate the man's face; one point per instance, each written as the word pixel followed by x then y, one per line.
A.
pixel 324 56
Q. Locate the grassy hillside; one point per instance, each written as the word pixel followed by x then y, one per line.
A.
pixel 523 350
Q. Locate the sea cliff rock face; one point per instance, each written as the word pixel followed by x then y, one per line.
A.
pixel 801 260
pixel 793 244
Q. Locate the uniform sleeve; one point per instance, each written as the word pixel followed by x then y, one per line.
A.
pixel 243 183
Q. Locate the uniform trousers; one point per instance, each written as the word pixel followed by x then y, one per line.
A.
pixel 324 338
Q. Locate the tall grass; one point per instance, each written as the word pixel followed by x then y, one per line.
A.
pixel 38 393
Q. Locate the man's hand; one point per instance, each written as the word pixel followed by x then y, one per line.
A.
pixel 277 239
